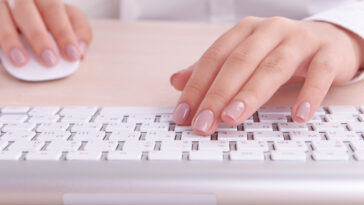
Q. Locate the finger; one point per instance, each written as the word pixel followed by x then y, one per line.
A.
pixel 57 22
pixel 29 21
pixel 320 76
pixel 235 72
pixel 179 79
pixel 207 68
pixel 276 69
pixel 80 26
pixel 9 38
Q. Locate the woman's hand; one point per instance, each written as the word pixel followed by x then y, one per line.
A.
pixel 247 64
pixel 34 18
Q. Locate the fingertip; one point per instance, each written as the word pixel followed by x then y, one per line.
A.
pixel 73 52
pixel 49 57
pixel 18 57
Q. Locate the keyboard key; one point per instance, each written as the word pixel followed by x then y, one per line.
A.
pixel 84 155
pixel 214 146
pixel 251 145
pixel 122 155
pixel 78 110
pixel 26 146
pixel 268 136
pixel 14 110
pixel 342 135
pixel 13 118
pixel 130 127
pixel 18 135
pixel 143 146
pixel 253 127
pixel 18 127
pixel 272 118
pixel 226 127
pixel 101 146
pixel 192 136
pixel 305 136
pixel 10 155
pixel 43 118
pixel 160 135
pixel 327 126
pixel 206 155
pixel 53 135
pixel 136 110
pixel 44 110
pixel 179 128
pixel 288 155
pixel 166 118
pixel 43 155
pixel 86 127
pixel 63 145
pixel 232 136
pixel 356 126
pixel 142 118
pixel 359 155
pixel 247 155
pixel 165 155
pixel 109 119
pixel 124 136
pixel 183 146
pixel 57 126
pixel 154 127
pixel 315 119
pixel 343 109
pixel 290 146
pixel 332 145
pixel 292 126
pixel 341 118
pixel 3 144
pixel 78 118
pixel 357 145
pixel 330 156
pixel 275 110
pixel 88 135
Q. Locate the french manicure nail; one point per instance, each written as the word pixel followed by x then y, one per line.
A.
pixel 83 46
pixel 17 56
pixel 72 52
pixel 204 120
pixel 49 57
pixel 181 113
pixel 303 110
pixel 234 110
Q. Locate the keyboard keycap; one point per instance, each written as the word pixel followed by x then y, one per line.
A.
pixel 179 145
pixel 18 127
pixel 78 110
pixel 192 136
pixel 327 126
pixel 226 127
pixel 288 155
pixel 53 135
pixel 330 156
pixel 339 109
pixel 232 136
pixel 160 135
pixel 342 135
pixel 88 136
pixel 124 136
pixel 305 136
pixel 165 155
pixel 122 155
pixel 43 155
pixel 86 127
pixel 332 145
pixel 251 145
pixel 272 118
pixel 109 119
pixel 290 146
pixel 43 118
pixel 142 118
pixel 26 146
pixel 178 128
pixel 99 145
pixel 143 146
pixel 18 135
pixel 14 110
pixel 84 155
pixel 340 118
pixel 63 145
pixel 44 111
pixel 154 127
pixel 10 155
pixel 213 146
pixel 356 126
pixel 13 118
pixel 247 155
pixel 275 110
pixel 47 127
pixel 130 127
pixel 78 118
pixel 268 136
pixel 255 127
pixel 206 155
pixel 292 126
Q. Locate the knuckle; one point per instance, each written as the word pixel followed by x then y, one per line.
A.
pixel 213 53
pixel 241 56
pixel 326 66
pixel 193 89
pixel 272 64
pixel 216 97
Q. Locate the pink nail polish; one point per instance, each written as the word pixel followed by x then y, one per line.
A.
pixel 72 52
pixel 181 113
pixel 83 46
pixel 204 121
pixel 17 56
pixel 49 58
pixel 303 110
pixel 234 110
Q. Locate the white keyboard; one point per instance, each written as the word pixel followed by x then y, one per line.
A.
pixel 147 133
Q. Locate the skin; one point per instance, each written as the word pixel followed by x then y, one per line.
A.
pixel 252 60
pixel 34 18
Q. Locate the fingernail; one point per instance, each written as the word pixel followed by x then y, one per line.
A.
pixel 303 110
pixel 83 46
pixel 181 113
pixel 17 56
pixel 234 110
pixel 49 57
pixel 72 52
pixel 204 121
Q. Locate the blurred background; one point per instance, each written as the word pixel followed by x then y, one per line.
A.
pixel 202 10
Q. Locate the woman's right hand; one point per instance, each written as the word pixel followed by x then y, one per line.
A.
pixel 34 18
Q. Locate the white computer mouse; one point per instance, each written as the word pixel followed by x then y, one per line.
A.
pixel 35 71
